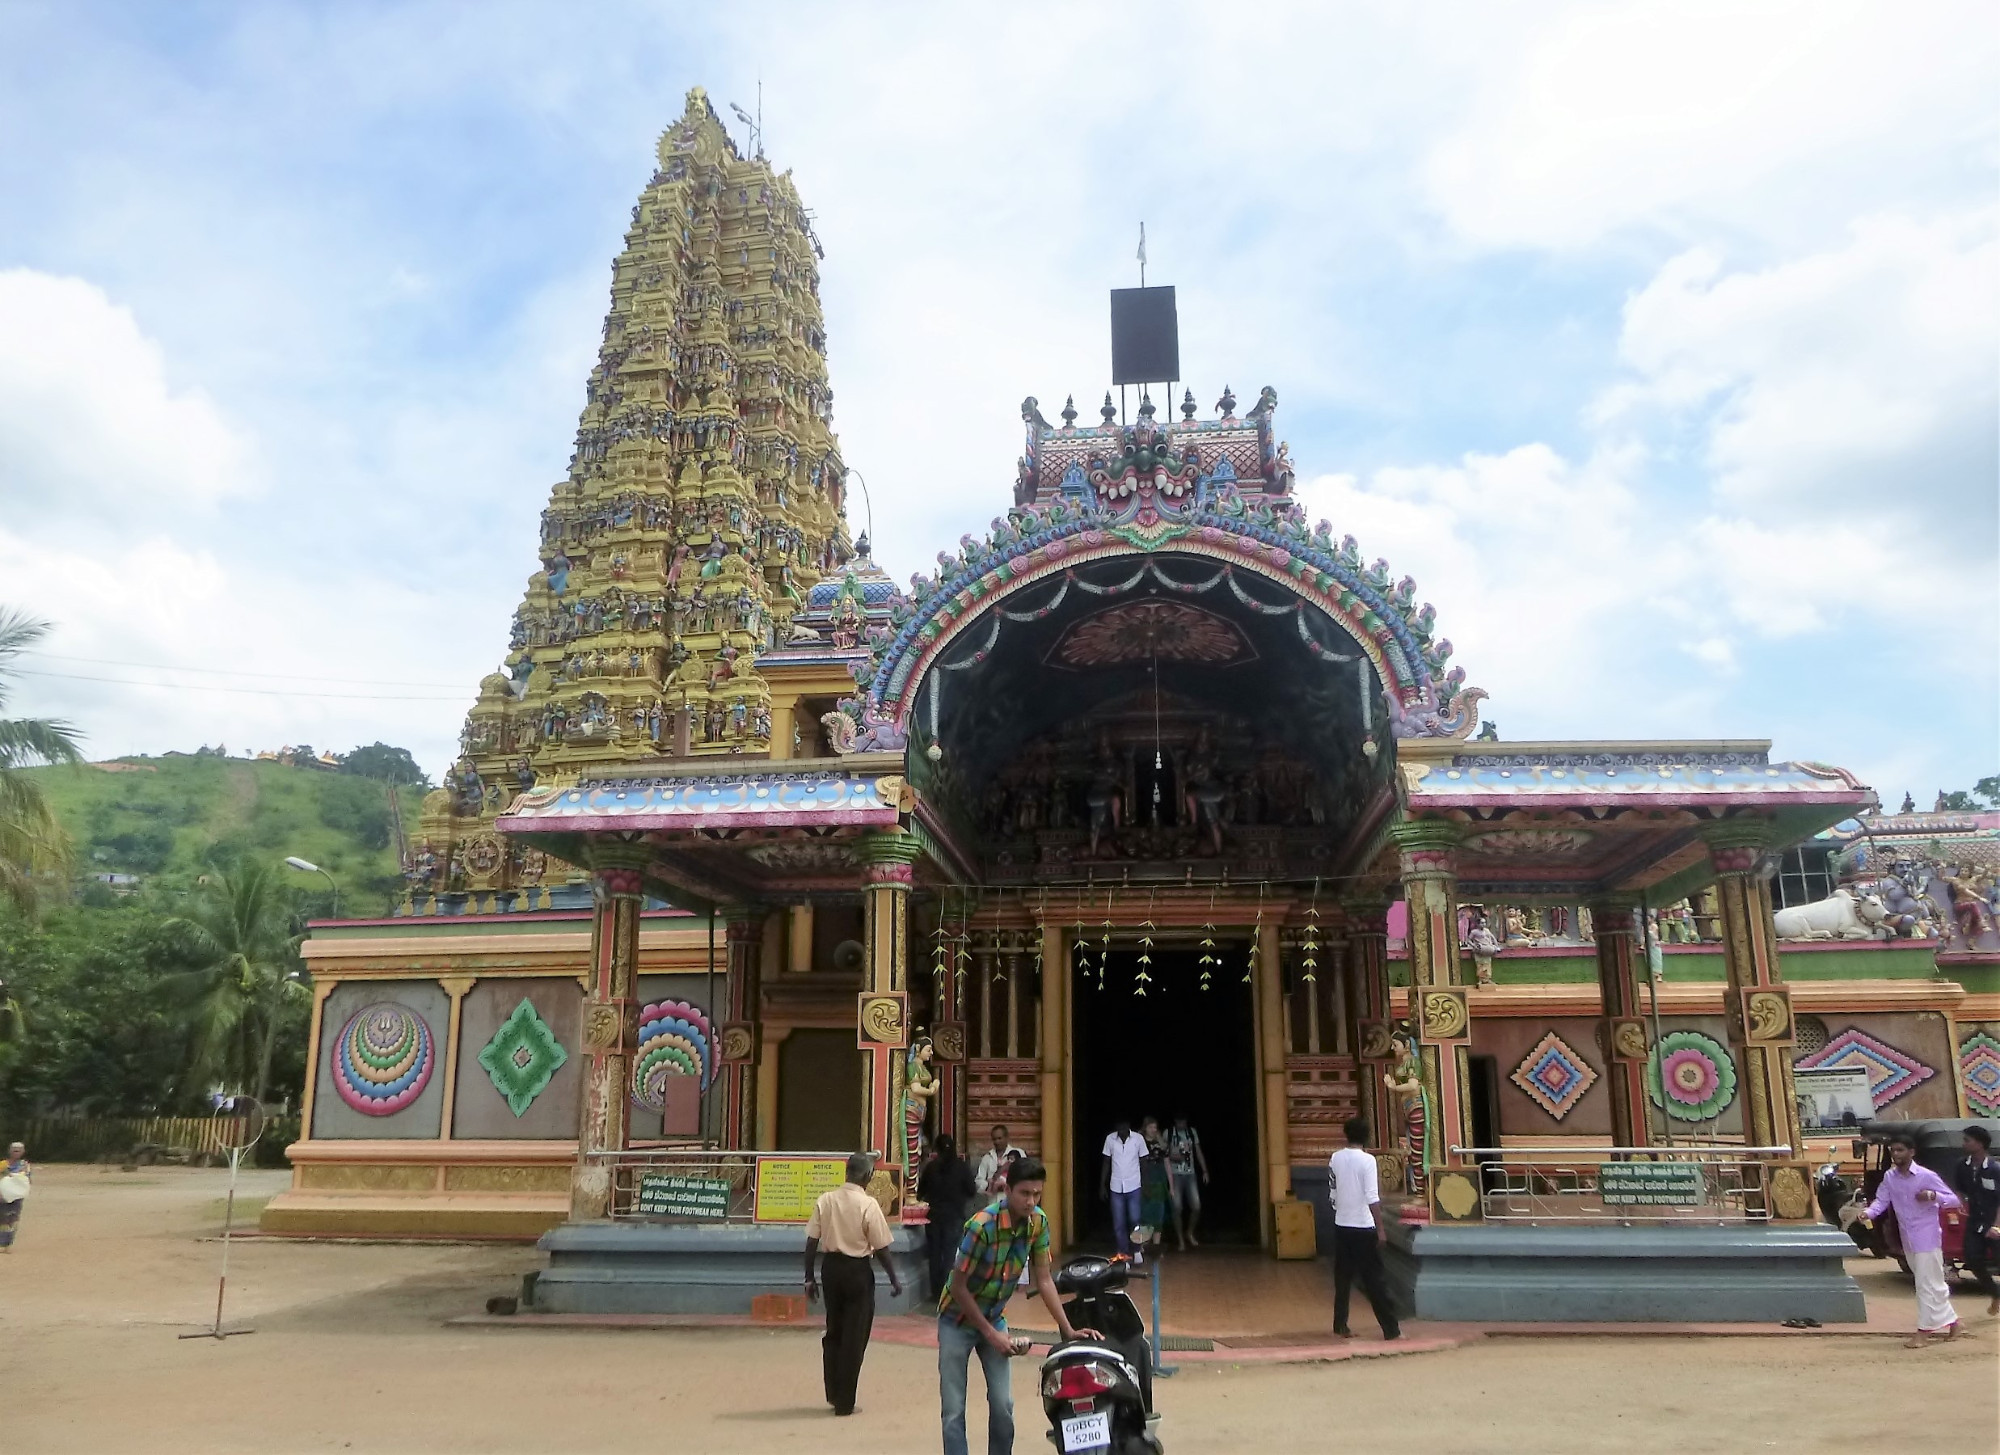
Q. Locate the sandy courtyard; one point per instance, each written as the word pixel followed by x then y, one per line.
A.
pixel 351 1353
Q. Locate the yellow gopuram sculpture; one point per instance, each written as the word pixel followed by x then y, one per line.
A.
pixel 702 504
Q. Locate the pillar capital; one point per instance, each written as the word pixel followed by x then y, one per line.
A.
pixel 888 858
pixel 1367 914
pixel 741 921
pixel 1612 913
pixel 1735 845
pixel 1427 847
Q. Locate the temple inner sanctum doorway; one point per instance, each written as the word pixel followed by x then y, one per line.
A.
pixel 1176 1048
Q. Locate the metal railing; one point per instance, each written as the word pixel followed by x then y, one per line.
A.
pixel 1712 1184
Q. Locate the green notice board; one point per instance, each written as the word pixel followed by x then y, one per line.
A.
pixel 668 1195
pixel 1650 1184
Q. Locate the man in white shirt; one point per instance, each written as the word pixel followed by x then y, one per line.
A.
pixel 1124 1149
pixel 1358 1232
pixel 991 1173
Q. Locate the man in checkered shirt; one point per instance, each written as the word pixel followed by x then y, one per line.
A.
pixel 999 1242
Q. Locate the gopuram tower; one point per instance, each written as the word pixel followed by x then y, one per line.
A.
pixel 702 503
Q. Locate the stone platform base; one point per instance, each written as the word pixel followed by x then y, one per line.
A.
pixel 645 1268
pixel 419 1189
pixel 1751 1273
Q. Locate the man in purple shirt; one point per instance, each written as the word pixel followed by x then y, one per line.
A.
pixel 1917 1195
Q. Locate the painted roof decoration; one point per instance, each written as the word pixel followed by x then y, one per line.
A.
pixel 739 800
pixel 1474 777
pixel 1215 489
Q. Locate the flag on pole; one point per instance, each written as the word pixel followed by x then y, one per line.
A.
pixel 1142 243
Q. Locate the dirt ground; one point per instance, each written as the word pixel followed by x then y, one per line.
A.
pixel 351 1353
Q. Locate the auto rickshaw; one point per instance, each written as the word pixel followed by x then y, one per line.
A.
pixel 1939 1145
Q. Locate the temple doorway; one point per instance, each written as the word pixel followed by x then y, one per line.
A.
pixel 1176 1048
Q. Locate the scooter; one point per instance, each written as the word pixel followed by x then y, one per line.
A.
pixel 1098 1393
pixel 1831 1191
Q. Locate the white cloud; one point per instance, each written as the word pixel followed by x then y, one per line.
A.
pixel 88 416
pixel 1665 113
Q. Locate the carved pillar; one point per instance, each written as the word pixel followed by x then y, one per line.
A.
pixel 1439 1014
pixel 884 1014
pixel 1271 1057
pixel 610 1036
pixel 1621 1027
pixel 1756 1003
pixel 457 987
pixel 743 932
pixel 1057 1199
pixel 1375 1054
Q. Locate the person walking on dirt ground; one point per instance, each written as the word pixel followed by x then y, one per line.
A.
pixel 1124 1150
pixel 850 1224
pixel 1358 1232
pixel 1189 1171
pixel 15 1188
pixel 1918 1195
pixel 15 1180
pixel 1000 1242
pixel 1978 1179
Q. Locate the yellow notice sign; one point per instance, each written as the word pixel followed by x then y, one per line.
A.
pixel 787 1187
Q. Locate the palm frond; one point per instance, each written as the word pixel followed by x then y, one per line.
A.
pixel 31 742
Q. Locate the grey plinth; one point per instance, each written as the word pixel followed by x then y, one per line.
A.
pixel 651 1268
pixel 1510 1273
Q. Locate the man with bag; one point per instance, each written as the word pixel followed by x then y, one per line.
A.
pixel 15 1184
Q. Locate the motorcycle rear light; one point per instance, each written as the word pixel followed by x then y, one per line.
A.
pixel 1078 1381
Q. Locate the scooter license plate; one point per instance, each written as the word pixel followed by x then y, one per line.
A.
pixel 1086 1432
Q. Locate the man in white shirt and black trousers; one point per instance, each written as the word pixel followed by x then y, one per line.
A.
pixel 1358 1232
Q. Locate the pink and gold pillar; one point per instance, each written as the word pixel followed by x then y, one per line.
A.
pixel 610 1035
pixel 1368 979
pixel 743 938
pixel 883 1017
pixel 1440 1016
pixel 1756 1003
pixel 1621 1024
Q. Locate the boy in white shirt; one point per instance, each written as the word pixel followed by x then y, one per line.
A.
pixel 1358 1232
pixel 1124 1149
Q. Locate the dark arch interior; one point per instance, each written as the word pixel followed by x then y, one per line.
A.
pixel 1202 715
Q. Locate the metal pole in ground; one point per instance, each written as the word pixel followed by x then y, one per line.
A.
pixel 1160 1371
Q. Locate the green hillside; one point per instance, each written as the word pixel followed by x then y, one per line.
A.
pixel 170 819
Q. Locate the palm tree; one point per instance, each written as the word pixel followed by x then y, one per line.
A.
pixel 33 846
pixel 243 978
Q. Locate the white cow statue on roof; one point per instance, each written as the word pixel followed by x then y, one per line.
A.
pixel 1840 916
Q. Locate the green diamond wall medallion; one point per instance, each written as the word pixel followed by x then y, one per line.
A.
pixel 523 1054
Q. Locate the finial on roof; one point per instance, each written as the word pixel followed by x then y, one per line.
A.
pixel 1110 410
pixel 1188 406
pixel 1069 412
pixel 1226 405
pixel 1146 407
pixel 861 545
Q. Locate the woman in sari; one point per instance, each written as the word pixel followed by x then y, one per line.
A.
pixel 14 1187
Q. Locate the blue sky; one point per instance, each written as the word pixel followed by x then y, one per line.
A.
pixel 1657 341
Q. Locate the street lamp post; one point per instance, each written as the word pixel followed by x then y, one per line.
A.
pixel 306 866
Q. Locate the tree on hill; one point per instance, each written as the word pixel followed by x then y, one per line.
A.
pixel 33 846
pixel 390 765
pixel 1985 794
pixel 245 990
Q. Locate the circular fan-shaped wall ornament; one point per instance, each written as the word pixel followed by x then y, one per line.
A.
pixel 383 1059
pixel 1691 1077
pixel 675 1039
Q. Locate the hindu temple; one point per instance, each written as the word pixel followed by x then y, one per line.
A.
pixel 1156 797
